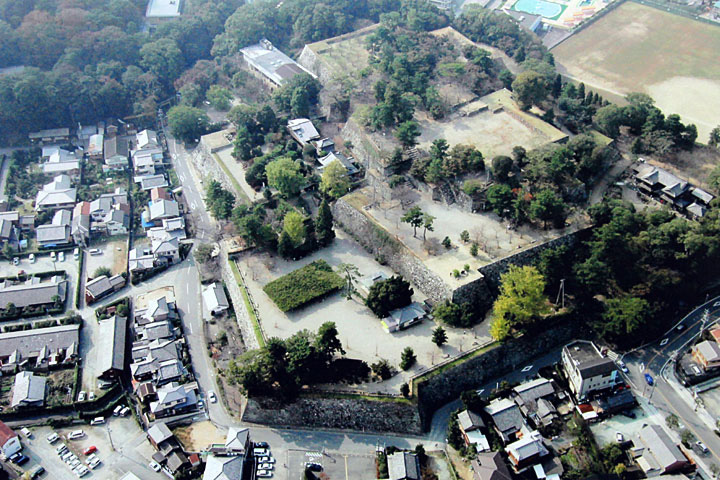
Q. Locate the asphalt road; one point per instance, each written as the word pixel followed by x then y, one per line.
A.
pixel 667 395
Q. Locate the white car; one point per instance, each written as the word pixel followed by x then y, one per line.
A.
pixel 91 458
pixel 212 397
pixel 97 421
pixel 155 466
pixel 264 474
pixel 74 435
pixel 91 396
pixel 53 256
pixel 62 449
pixel 61 256
pixel 619 437
pixel 266 466
pixel 53 437
pixel 32 258
pixel 259 452
pixel 81 396
pixel 265 459
pixel 95 251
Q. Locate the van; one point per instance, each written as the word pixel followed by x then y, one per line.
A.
pixel 53 437
pixel 75 434
pixel 118 409
pixel 97 421
pixel 95 251
pixel 32 258
pixel 125 412
pixel 76 253
pixel 26 433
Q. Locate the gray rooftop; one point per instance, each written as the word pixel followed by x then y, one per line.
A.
pixel 159 432
pixel 28 389
pixel 27 294
pixel 490 466
pixel 272 63
pixel 163 8
pixel 111 344
pixel 403 466
pixel 28 343
pixel 224 468
pixel 660 446
pixel 505 414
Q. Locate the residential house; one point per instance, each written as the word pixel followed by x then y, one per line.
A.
pixel 402 318
pixel 166 252
pixel 57 233
pixel 39 348
pixel 215 299
pixel 173 399
pixel 102 286
pixel 302 130
pixel 117 222
pixel 271 65
pixel 490 466
pixel 668 188
pixel 403 466
pixel 158 310
pixel 338 157
pixel 9 441
pixel 507 418
pixel 169 451
pixel 369 280
pixel 140 260
pixel 62 161
pixel 53 135
pixel 28 390
pixel 57 194
pixel 33 292
pixel 159 433
pixel 160 210
pixel 10 228
pixel 81 223
pixel 27 223
pixel 146 392
pixel 116 153
pixel 533 398
pixel 707 354
pixel 230 460
pixel 111 346
pixel 159 193
pixel 526 451
pixel 144 162
pixel 85 132
pixel 146 140
pixel 656 454
pixel 148 182
pixel 470 425
pixel 588 372
pixel 96 143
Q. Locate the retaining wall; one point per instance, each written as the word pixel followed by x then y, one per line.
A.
pixel 357 414
pixel 447 386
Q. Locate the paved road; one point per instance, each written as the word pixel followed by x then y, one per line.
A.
pixel 667 394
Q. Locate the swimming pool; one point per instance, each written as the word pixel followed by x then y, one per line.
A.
pixel 543 8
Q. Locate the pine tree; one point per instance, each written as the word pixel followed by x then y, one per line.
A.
pixel 439 337
pixel 286 248
pixel 324 224
pixel 581 91
pixel 407 358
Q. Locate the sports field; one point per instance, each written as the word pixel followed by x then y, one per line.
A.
pixel 636 48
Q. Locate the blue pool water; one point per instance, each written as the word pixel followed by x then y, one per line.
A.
pixel 538 7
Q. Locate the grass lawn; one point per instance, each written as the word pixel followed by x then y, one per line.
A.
pixel 303 285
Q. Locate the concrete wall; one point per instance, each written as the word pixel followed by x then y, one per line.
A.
pixel 356 414
pixel 448 385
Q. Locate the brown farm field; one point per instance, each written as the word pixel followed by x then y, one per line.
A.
pixel 637 48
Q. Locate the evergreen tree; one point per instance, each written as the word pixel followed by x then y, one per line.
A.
pixel 324 224
pixel 439 336
pixel 286 247
pixel 407 358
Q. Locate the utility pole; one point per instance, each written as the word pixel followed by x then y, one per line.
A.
pixel 561 293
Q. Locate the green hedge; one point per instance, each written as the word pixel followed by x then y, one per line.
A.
pixel 303 285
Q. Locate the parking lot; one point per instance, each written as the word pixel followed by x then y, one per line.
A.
pixel 121 447
pixel 334 465
pixel 113 255
pixel 43 263
pixel 605 431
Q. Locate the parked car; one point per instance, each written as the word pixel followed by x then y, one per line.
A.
pixel 76 253
pixel 95 251
pixel 53 256
pixel 701 446
pixel 266 459
pixel 91 396
pixel 16 261
pixel 91 458
pixel 155 466
pixel 53 437
pixel 94 464
pixel 61 256
pixel 649 379
pixel 622 366
pixel 81 396
pixel 118 409
pixel 212 397
pixel 125 412
pixel 26 432
pixel 32 258
pixel 97 421
pixel 313 467
pixel 75 434
pixel 36 471
pixel 266 466
pixel 62 449
pixel 262 445
pixel 258 452
pixel 90 450
pixel 619 437
pixel 264 474
pixel 19 458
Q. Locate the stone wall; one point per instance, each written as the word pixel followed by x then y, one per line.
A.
pixel 447 386
pixel 312 62
pixel 206 163
pixel 493 271
pixel 387 250
pixel 358 414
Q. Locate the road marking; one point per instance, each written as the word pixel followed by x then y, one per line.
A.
pixel 190 328
pixel 182 178
pixel 664 342
pixel 346 469
pixel 527 369
pixel 193 205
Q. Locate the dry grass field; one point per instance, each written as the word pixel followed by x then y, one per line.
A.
pixel 637 48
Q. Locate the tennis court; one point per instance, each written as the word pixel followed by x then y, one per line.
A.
pixel 549 10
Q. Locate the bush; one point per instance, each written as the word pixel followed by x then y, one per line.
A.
pixel 382 369
pixel 303 285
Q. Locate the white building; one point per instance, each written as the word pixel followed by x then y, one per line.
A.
pixel 587 370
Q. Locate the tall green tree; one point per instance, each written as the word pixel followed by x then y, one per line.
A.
pixel 439 336
pixel 522 297
pixel 334 181
pixel 414 217
pixel 324 224
pixel 187 123
pixel 284 175
pixel 389 294
pixel 294 226
pixel 547 206
pixel 530 88
pixel 407 133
